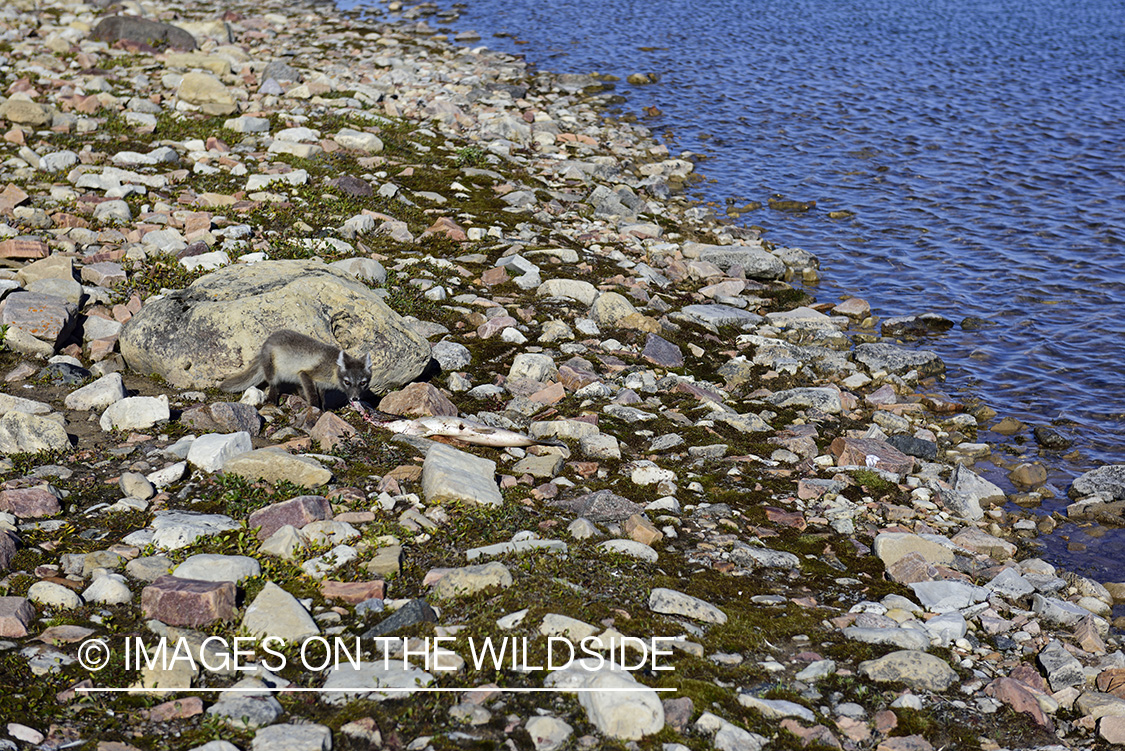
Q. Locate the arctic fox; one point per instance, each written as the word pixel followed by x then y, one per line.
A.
pixel 291 358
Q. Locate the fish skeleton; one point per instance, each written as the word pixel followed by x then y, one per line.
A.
pixel 452 427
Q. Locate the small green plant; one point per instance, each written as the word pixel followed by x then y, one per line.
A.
pixel 470 156
pixel 3 336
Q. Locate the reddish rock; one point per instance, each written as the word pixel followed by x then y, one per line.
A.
pixel 905 743
pixel 1030 677
pixel 494 326
pixel 574 378
pixel 815 734
pixel 1112 729
pixel 100 349
pixel 852 452
pixel 911 568
pixel 297 511
pixel 885 721
pixel 353 592
pixel 23 248
pixel 494 276
pixel 1112 681
pixel 12 196
pixel 29 503
pixel 176 709
pixel 885 394
pixel 1019 697
pixel 418 400
pixel 553 394
pixel 853 307
pixel 794 519
pixel 331 430
pixel 16 614
pixel 660 351
pixel 639 528
pixel 700 393
pixel 448 227
pixel 188 602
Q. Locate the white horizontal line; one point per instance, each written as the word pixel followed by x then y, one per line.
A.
pixel 366 690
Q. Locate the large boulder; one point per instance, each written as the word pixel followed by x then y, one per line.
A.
pixel 196 337
pixel 142 31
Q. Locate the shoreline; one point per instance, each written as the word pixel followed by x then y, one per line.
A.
pixel 754 479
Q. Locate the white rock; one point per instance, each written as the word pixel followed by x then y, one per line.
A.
pixel 97 395
pixel 136 413
pixel 54 595
pixel 211 451
pixel 624 714
pixel 110 589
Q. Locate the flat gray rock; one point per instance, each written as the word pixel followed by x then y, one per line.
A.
pixel 631 548
pixel 374 681
pixel 515 546
pixel 921 671
pixel 136 413
pixel 671 602
pixel 1062 668
pixel 903 638
pixel 178 529
pixel 449 474
pixel 717 315
pixel 213 567
pixel 756 263
pixel 22 433
pixel 946 596
pixel 291 737
pixel 825 399
pixel 892 358
pixel 275 612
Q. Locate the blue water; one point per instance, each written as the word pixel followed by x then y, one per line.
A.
pixel 980 145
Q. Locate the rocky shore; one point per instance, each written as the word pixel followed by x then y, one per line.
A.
pixel 754 513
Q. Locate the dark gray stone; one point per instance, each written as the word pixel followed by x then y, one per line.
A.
pixel 142 31
pixel 660 351
pixel 913 326
pixel 352 186
pixel 280 70
pixel 415 611
pixel 600 506
pixel 1051 439
pixel 911 446
pixel 64 374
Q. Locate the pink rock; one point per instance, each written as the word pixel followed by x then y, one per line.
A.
pixel 105 274
pixel 29 503
pixel 905 743
pixel 553 394
pixel 852 452
pixel 16 614
pixel 817 733
pixel 1112 729
pixel 297 511
pixel 494 276
pixel 885 394
pixel 188 602
pixel 419 399
pixel 176 709
pixel 353 592
pixel 1017 696
pixel 494 326
pixel 853 307
pixel 23 248
pixel 331 430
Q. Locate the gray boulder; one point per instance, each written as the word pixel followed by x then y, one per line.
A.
pixel 198 336
pixel 142 31
pixel 895 359
pixel 1108 481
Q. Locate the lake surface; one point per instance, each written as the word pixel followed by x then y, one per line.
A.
pixel 979 145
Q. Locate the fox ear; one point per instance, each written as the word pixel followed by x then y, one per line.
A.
pixel 367 362
pixel 340 360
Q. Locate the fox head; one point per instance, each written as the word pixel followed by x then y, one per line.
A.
pixel 353 374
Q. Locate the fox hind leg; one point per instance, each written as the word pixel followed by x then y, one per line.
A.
pixel 270 373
